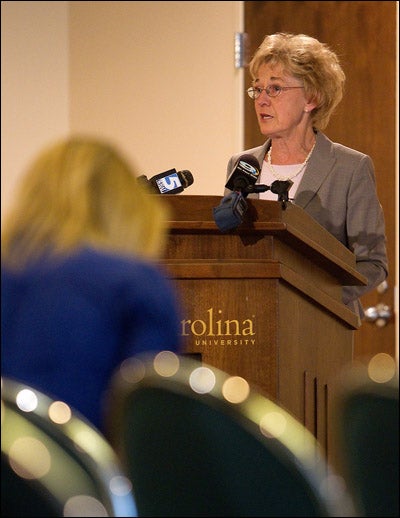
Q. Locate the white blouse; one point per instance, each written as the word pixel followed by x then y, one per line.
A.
pixel 284 172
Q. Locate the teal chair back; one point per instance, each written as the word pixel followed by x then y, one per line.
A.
pixel 198 442
pixel 55 463
pixel 367 418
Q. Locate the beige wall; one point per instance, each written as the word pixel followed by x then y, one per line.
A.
pixel 34 84
pixel 156 78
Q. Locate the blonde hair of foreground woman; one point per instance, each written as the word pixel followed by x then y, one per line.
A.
pixel 82 191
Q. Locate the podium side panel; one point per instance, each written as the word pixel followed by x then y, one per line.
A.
pixel 314 347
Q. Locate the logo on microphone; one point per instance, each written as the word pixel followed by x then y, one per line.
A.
pixel 168 183
pixel 248 168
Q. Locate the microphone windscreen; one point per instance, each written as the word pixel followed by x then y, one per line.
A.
pixel 187 178
pixel 245 173
pixel 229 213
pixel 249 159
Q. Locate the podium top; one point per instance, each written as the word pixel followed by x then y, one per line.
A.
pixel 193 214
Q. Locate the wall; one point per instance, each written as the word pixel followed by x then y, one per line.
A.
pixel 159 78
pixel 156 78
pixel 34 84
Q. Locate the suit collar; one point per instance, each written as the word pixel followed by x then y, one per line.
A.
pixel 318 168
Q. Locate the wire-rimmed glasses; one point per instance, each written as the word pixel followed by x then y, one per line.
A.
pixel 254 92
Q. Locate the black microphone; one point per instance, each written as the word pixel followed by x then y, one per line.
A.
pixel 229 213
pixel 244 175
pixel 168 182
pixel 281 188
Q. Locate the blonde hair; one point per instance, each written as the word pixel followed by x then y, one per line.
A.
pixel 310 61
pixel 82 191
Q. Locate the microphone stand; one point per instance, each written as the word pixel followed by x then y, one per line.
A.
pixel 229 213
pixel 279 187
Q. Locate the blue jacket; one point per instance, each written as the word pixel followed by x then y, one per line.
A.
pixel 66 326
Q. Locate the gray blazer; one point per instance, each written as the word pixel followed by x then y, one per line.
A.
pixel 338 190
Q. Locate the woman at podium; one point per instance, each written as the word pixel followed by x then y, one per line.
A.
pixel 297 84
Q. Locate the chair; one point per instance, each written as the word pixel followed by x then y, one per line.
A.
pixel 198 442
pixel 367 430
pixel 54 463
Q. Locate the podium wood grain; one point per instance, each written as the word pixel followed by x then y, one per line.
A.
pixel 264 301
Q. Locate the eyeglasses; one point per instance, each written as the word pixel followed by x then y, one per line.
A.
pixel 254 92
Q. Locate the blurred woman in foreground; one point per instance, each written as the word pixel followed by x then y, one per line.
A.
pixel 81 290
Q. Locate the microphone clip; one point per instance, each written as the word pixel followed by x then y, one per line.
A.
pixel 279 187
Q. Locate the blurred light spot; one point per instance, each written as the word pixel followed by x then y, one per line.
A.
pixel 235 389
pixel 59 412
pixel 84 505
pixel 166 363
pixel 273 424
pixel 381 368
pixel 132 370
pixel 120 485
pixel 29 458
pixel 202 380
pixel 26 400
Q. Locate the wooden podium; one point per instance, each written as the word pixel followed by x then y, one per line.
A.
pixel 264 301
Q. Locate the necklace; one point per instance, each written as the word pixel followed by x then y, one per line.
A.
pixel 303 165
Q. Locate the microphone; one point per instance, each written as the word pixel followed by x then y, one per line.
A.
pixel 168 182
pixel 229 213
pixel 281 188
pixel 244 175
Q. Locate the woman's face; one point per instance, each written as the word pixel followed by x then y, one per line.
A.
pixel 286 113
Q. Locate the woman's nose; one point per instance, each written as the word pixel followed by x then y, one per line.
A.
pixel 263 98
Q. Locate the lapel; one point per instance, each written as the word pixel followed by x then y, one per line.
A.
pixel 261 151
pixel 318 168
